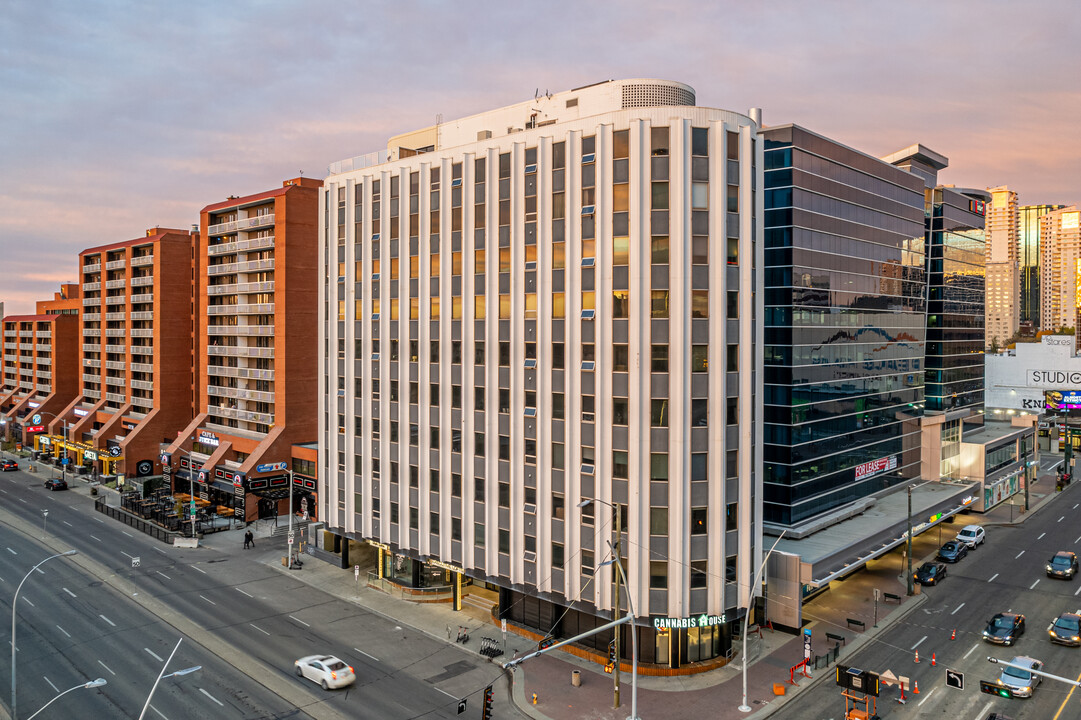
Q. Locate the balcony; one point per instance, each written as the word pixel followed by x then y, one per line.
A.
pixel 142 260
pixel 143 298
pixel 91 301
pixel 26 346
pixel 236 288
pixel 115 347
pixel 92 394
pixel 91 286
pixel 115 300
pixel 11 346
pixel 259 243
pixel 117 398
pixel 142 315
pixel 142 349
pixel 91 347
pixel 26 333
pixel 92 362
pixel 44 334
pixel 235 351
pixel 92 268
pixel 248 309
pixel 142 401
pixel 142 385
pixel 114 365
pixel 245 224
pixel 26 385
pixel 239 394
pixel 92 317
pixel 241 330
pixel 246 415
pixel 115 284
pixel 116 264
pixel 238 372
pixel 142 281
pixel 114 332
pixel 142 332
pixel 142 367
pixel 93 375
pixel 45 375
pixel 91 332
pixel 116 380
pixel 239 267
pixel 43 348
pixel 44 387
pixel 116 316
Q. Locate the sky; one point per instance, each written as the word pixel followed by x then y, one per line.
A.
pixel 120 116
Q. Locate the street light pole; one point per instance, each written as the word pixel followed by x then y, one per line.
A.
pixel 92 684
pixel 162 676
pixel 744 707
pixel 1024 459
pixel 908 547
pixel 14 604
pixel 616 605
pixel 291 540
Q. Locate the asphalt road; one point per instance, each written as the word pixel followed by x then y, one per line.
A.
pixel 258 620
pixel 1005 574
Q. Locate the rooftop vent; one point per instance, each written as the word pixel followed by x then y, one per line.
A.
pixel 654 95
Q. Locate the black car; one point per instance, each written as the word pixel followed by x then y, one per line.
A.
pixel 930 573
pixel 1004 628
pixel 1063 565
pixel 1066 630
pixel 952 551
pixel 56 484
pixel 9 465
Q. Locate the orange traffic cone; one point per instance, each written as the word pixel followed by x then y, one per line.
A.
pixel 917 656
pixel 932 659
pixel 915 688
pixel 953 635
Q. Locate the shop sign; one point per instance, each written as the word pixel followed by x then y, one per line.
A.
pixel 203 495
pixel 80 412
pixel 166 459
pixel 90 455
pixel 36 419
pixel 238 480
pixel 698 621
pixel 36 428
pixel 1052 378
pixel 271 467
pixel 208 438
pixel 446 566
pixel 128 425
pixel 379 545
pixel 115 451
pixel 46 441
pixel 202 476
pixel 875 467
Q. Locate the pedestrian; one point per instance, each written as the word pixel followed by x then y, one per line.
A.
pixel 249 539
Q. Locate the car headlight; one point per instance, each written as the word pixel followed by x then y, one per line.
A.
pixel 1049 568
pixel 1053 633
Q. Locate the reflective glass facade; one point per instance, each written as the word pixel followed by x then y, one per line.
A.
pixel 955 308
pixel 1029 238
pixel 845 324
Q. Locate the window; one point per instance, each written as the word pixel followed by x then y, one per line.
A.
pixel 621 303
pixel 730 572
pixel 557 506
pixel 659 358
pixel 699 573
pixel 733 358
pixel 731 518
pixel 659 250
pixel 478 534
pixel 658 521
pixel 557 355
pixel 700 303
pixel 659 195
pixel 658 575
pixel 620 466
pixel 658 303
pixel 733 304
pixel 557 555
pixel 433 523
pixel 732 415
pixel 699 358
pixel 588 563
pixel 620 411
pixel 478 489
pixel 621 250
pixel 478 352
pixel 504 494
pixel 504 541
pixel 620 357
pixel 658 466
pixel 699 412
pixel 558 453
pixel 658 415
pixel 698 520
pixel 557 406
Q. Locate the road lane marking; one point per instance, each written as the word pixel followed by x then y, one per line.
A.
pixel 926 697
pixel 55 688
pixel 63 631
pixel 198 569
pixel 456 697
pixel 1033 585
pixel 373 657
pixel 107 620
pixel 1064 702
pixel 69 592
pixel 1061 519
pixel 24 502
pixel 28 602
pixel 106 667
pixel 130 557
pixel 1019 554
pixel 991 579
pixel 259 629
pixel 127 533
pixel 39 571
pixel 970 651
pixel 1077 591
pixel 161 551
pixel 208 600
pixel 1041 536
pixel 95 537
pixel 204 692
pixel 1075 505
pixel 159 572
pixel 153 654
pixel 299 621
pixel 100 520
pixel 1078 540
pixel 67 523
pixel 983 713
pixel 958 608
pixel 12 551
pixel 159 712
pixel 918 642
pixel 242 592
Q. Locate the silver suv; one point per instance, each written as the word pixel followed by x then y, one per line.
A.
pixel 971 536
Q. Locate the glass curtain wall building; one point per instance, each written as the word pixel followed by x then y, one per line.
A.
pixel 845 324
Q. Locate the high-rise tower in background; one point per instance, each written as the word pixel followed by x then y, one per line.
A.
pixel 1029 240
pixel 1060 253
pixel 1003 255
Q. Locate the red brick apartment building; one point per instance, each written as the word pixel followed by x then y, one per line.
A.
pixel 256 312
pixel 134 375
pixel 40 365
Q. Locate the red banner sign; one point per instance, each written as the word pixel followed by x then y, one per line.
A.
pixel 875 467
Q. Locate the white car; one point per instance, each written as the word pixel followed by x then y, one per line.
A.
pixel 971 535
pixel 327 670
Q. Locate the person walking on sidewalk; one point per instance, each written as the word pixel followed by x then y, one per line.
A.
pixel 249 539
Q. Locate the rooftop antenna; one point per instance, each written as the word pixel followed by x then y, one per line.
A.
pixel 536 93
pixel 547 94
pixel 301 173
pixel 439 118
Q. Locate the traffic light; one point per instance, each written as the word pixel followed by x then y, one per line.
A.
pixel 547 642
pixel 612 652
pixel 486 710
pixel 994 689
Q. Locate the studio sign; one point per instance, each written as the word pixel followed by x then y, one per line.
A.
pixel 1057 378
pixel 698 621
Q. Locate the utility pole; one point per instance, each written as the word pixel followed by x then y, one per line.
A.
pixel 908 552
pixel 617 604
pixel 1024 459
pixel 290 564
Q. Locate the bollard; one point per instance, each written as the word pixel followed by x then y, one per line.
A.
pixel 576 678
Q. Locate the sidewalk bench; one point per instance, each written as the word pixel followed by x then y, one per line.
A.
pixel 837 638
pixel 858 623
pixel 893 597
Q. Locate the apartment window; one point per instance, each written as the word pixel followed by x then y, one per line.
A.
pixel 699 412
pixel 730 571
pixel 478 352
pixel 658 303
pixel 733 304
pixel 659 358
pixel 478 535
pixel 557 355
pixel 699 358
pixel 478 444
pixel 699 515
pixel 621 304
pixel 620 464
pixel 659 250
pixel 620 411
pixel 658 521
pixel 658 415
pixel 588 563
pixel 658 466
pixel 699 573
pixel 700 303
pixel 557 406
pixel 557 455
pixel 658 575
pixel 504 541
pixel 731 518
pixel 732 414
pixel 478 489
pixel 733 358
pixel 557 555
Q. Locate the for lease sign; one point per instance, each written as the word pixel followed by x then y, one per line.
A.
pixel 875 467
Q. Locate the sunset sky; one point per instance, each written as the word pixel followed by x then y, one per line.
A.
pixel 120 116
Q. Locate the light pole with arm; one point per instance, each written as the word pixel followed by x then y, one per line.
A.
pixel 162 676
pixel 616 605
pixel 747 616
pixel 14 604
pixel 92 684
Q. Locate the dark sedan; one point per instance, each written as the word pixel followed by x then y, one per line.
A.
pixel 7 465
pixel 56 484
pixel 1066 630
pixel 952 551
pixel 1004 628
pixel 930 573
pixel 1063 565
